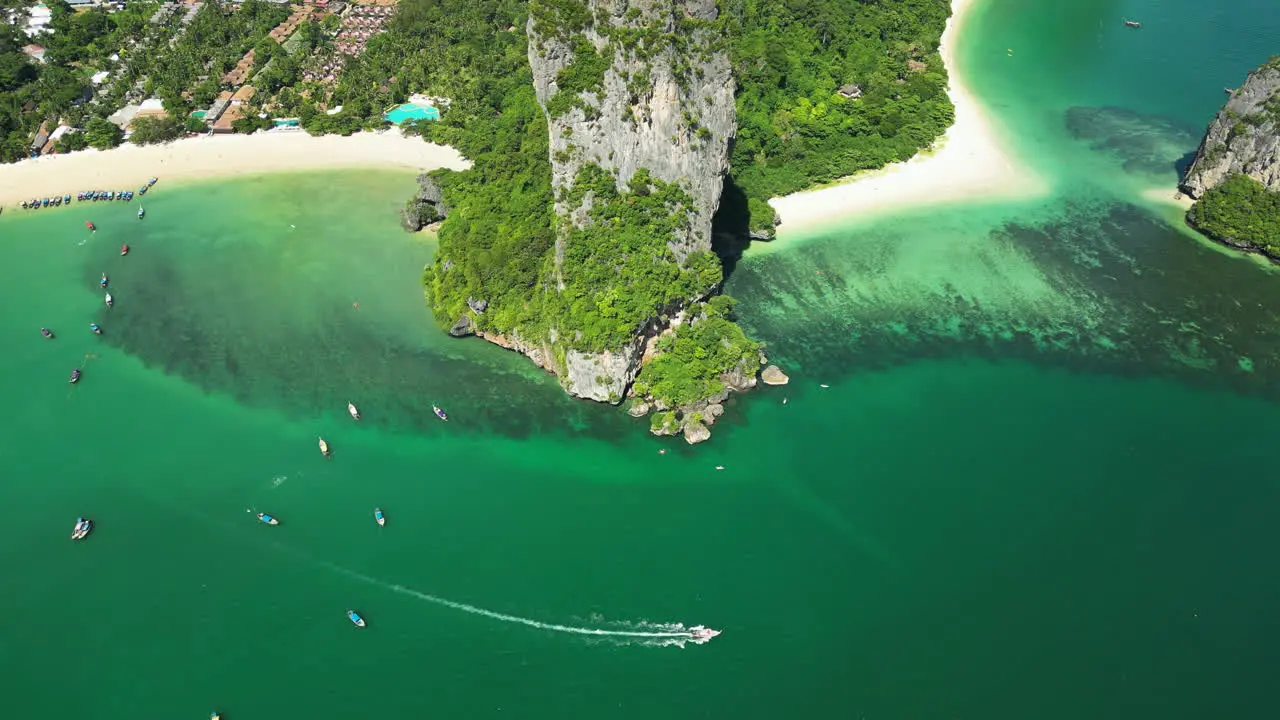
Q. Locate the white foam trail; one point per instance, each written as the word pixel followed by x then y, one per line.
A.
pixel 679 635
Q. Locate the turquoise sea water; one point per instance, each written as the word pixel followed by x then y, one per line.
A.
pixel 1037 486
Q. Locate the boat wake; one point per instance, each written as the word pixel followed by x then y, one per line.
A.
pixel 652 634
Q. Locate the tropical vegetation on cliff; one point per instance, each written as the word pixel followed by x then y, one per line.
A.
pixel 1241 212
pixel 691 359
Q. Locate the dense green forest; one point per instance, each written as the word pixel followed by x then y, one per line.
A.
pixel 181 66
pixel 1240 211
pixel 791 56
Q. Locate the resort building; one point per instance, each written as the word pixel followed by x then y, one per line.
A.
pixel 234 110
pixel 38 18
pixel 127 115
pixel 850 91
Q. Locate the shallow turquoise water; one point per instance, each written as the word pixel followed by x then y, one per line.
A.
pixel 1037 484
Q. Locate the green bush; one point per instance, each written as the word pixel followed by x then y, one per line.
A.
pixel 1240 211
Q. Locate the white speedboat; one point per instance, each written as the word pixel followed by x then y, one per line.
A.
pixel 351 408
pixel 702 634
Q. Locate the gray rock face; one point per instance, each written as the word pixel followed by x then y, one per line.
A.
pixel 665 106
pixel 464 327
pixel 601 376
pixel 696 432
pixel 1244 137
pixel 773 375
pixel 427 205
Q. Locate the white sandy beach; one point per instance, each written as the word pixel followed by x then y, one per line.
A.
pixel 128 166
pixel 967 162
pixel 1168 196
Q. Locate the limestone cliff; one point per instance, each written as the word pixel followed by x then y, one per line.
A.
pixel 630 86
pixel 1244 138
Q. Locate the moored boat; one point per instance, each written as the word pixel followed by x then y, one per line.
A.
pixel 82 528
pixel 103 283
pixel 152 181
pixel 379 517
pixel 355 618
pixel 351 408
pixel 47 333
pixel 141 212
pixel 75 376
pixel 439 413
pixel 110 301
pixel 93 327
pixel 324 448
pixel 214 716
pixel 124 250
pixel 91 226
pixel 263 517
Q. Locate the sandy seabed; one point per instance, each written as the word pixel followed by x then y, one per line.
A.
pixel 129 166
pixel 968 162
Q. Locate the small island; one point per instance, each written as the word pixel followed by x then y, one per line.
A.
pixel 1235 177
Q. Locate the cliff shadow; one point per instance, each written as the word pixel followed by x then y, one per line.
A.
pixel 731 227
pixel 1182 164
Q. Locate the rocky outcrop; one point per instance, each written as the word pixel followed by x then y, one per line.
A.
pixel 664 102
pixel 695 432
pixel 1244 138
pixel 631 85
pixel 773 375
pixel 427 206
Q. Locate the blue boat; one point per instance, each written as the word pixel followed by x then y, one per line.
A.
pixel 66 199
pixel 355 618
pixel 263 517
pixel 152 181
pixel 377 515
pixel 143 190
pixel 103 283
pixel 95 329
pixel 141 213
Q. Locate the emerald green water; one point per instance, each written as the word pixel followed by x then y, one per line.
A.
pixel 1038 484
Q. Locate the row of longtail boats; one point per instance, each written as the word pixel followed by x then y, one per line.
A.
pixel 88 196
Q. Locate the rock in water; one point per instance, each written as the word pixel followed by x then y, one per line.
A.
pixel 426 207
pixel 773 375
pixel 1244 138
pixel 696 432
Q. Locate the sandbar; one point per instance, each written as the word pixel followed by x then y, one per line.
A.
pixel 967 162
pixel 129 166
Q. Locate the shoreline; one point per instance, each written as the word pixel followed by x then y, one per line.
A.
pixel 219 156
pixel 968 161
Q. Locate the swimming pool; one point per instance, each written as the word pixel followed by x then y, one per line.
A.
pixel 410 111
